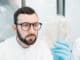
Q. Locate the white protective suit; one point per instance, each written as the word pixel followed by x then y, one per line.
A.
pixel 11 50
pixel 76 50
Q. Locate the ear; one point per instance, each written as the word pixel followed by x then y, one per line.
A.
pixel 14 27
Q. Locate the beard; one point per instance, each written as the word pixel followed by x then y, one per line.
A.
pixel 29 41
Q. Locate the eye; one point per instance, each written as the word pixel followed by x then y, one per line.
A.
pixel 25 24
pixel 36 24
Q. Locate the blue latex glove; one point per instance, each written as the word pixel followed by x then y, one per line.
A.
pixel 61 51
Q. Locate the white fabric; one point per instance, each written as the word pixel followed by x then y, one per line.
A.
pixel 76 50
pixel 11 50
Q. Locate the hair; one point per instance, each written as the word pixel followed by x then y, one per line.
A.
pixel 23 10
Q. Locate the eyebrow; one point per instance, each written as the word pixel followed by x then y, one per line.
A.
pixel 27 22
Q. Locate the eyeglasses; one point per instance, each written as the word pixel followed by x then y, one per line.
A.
pixel 26 25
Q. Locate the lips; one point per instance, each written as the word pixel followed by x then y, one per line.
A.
pixel 30 35
pixel 30 38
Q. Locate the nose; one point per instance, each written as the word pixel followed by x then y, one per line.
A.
pixel 31 29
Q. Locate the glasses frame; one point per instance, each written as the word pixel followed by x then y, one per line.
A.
pixel 29 25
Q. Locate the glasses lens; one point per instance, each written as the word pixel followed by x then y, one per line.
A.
pixel 26 26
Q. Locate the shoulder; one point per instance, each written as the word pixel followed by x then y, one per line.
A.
pixel 4 48
pixel 6 43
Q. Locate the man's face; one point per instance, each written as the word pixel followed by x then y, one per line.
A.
pixel 27 29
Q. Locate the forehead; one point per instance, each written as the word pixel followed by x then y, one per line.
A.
pixel 27 18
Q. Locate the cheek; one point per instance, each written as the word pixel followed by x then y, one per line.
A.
pixel 36 34
pixel 25 33
pixel 22 33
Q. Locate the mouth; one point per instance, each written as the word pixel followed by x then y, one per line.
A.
pixel 31 38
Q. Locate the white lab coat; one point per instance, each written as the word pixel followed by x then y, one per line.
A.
pixel 76 50
pixel 11 50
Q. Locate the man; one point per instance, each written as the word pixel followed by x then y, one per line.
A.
pixel 25 45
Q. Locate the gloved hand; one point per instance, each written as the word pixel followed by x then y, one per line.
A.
pixel 61 50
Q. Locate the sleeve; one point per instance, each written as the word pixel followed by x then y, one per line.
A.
pixel 46 53
pixel 76 50
pixel 1 56
pixel 2 51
